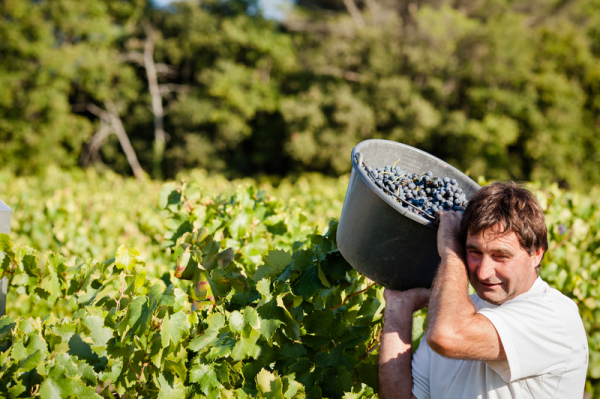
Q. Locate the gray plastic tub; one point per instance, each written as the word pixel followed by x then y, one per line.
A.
pixel 379 237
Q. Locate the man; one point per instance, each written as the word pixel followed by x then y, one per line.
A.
pixel 515 338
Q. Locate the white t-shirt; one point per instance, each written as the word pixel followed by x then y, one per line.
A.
pixel 545 343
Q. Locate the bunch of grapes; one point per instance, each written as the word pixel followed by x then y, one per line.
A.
pixel 423 194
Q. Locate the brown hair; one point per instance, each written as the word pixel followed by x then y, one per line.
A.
pixel 515 207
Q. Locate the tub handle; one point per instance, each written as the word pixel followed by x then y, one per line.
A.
pixel 358 159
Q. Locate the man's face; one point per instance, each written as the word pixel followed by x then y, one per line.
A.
pixel 499 269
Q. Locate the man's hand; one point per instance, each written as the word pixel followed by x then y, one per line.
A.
pixel 447 237
pixel 395 352
pixel 413 300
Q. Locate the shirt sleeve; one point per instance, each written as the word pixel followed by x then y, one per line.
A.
pixel 533 336
pixel 420 370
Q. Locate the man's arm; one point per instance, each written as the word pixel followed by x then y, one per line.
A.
pixel 395 352
pixel 455 329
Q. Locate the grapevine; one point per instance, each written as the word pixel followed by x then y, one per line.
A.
pixel 282 314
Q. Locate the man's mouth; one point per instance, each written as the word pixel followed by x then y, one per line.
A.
pixel 489 285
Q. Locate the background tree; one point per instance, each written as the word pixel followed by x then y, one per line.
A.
pixel 496 88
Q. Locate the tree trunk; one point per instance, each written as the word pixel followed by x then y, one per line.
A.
pixel 119 130
pixel 354 12
pixel 157 107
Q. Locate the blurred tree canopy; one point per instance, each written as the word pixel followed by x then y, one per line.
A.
pixel 498 88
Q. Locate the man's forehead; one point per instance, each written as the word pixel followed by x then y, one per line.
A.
pixel 496 232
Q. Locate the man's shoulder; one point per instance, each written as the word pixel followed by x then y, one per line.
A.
pixel 542 295
pixel 542 306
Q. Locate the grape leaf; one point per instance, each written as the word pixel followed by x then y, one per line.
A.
pixel 332 231
pixel 309 282
pixel 302 259
pixel 336 381
pixel 30 362
pixel 167 298
pixel 78 347
pixel 323 279
pixel 177 368
pixel 53 275
pixel 170 387
pixel 367 372
pixel 275 263
pixel 240 224
pixel 314 393
pixel 127 257
pixel 16 390
pixel 100 334
pixel 30 265
pixel 353 336
pixel 325 327
pixel 291 352
pixel 169 196
pixel 140 315
pixel 334 358
pixel 292 389
pixel 236 322
pixel 85 392
pixel 210 255
pixel 36 343
pixel 215 321
pixel 64 330
pixel 185 266
pixel 219 283
pixel 221 348
pixel 206 376
pixel 6 245
pixel 112 371
pixel 271 317
pixel 264 288
pixel 251 318
pixel 87 374
pixel 58 384
pixel 174 328
pixel 269 385
pixel 7 323
pixel 305 372
pixel 225 258
pixel 50 390
pixel 246 346
pixel 291 327
pixel 335 265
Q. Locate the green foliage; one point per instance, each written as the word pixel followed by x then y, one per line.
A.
pixel 498 89
pixel 241 294
pixel 51 49
pixel 572 263
pixel 299 324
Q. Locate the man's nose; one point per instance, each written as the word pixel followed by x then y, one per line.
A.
pixel 486 268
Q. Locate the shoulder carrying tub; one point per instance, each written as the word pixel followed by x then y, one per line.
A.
pixel 378 236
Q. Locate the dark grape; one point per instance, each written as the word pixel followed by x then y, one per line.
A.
pixel 423 194
pixel 562 229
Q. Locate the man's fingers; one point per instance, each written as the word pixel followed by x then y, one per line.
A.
pixel 415 299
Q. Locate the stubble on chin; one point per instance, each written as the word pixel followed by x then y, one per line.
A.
pixel 491 296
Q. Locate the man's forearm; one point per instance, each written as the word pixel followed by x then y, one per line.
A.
pixel 450 306
pixel 395 355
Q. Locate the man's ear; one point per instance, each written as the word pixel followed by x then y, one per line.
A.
pixel 538 256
